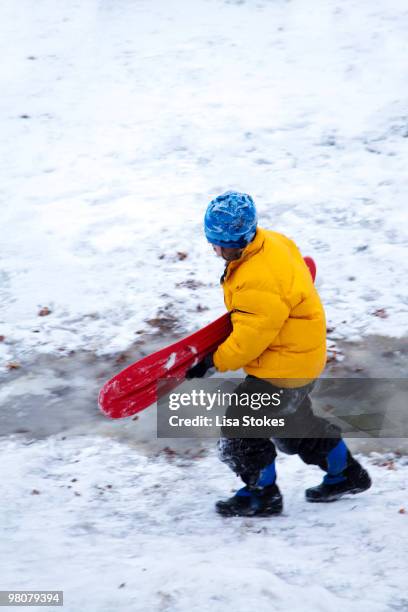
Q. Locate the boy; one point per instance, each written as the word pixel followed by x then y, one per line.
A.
pixel 279 339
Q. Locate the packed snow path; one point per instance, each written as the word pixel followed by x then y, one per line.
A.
pixel 117 530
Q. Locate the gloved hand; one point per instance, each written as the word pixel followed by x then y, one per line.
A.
pixel 201 368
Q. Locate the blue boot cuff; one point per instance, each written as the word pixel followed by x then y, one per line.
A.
pixel 267 476
pixel 337 459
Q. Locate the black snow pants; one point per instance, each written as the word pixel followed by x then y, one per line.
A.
pixel 248 456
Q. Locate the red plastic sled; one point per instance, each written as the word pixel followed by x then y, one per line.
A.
pixel 136 387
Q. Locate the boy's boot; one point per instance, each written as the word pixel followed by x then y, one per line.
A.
pixel 262 498
pixel 344 476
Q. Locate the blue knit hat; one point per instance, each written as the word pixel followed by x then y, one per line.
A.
pixel 230 220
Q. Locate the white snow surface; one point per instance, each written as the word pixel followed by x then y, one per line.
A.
pixel 171 361
pixel 104 515
pixel 120 120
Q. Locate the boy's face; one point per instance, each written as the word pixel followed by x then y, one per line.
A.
pixel 229 254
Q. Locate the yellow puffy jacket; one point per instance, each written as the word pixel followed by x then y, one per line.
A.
pixel 279 326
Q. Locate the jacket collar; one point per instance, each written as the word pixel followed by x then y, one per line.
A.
pixel 251 249
pixel 254 246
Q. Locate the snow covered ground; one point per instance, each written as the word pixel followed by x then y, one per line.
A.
pixel 117 530
pixel 120 119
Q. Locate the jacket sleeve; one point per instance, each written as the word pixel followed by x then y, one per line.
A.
pixel 257 317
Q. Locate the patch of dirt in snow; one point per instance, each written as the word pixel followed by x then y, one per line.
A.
pixel 49 395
